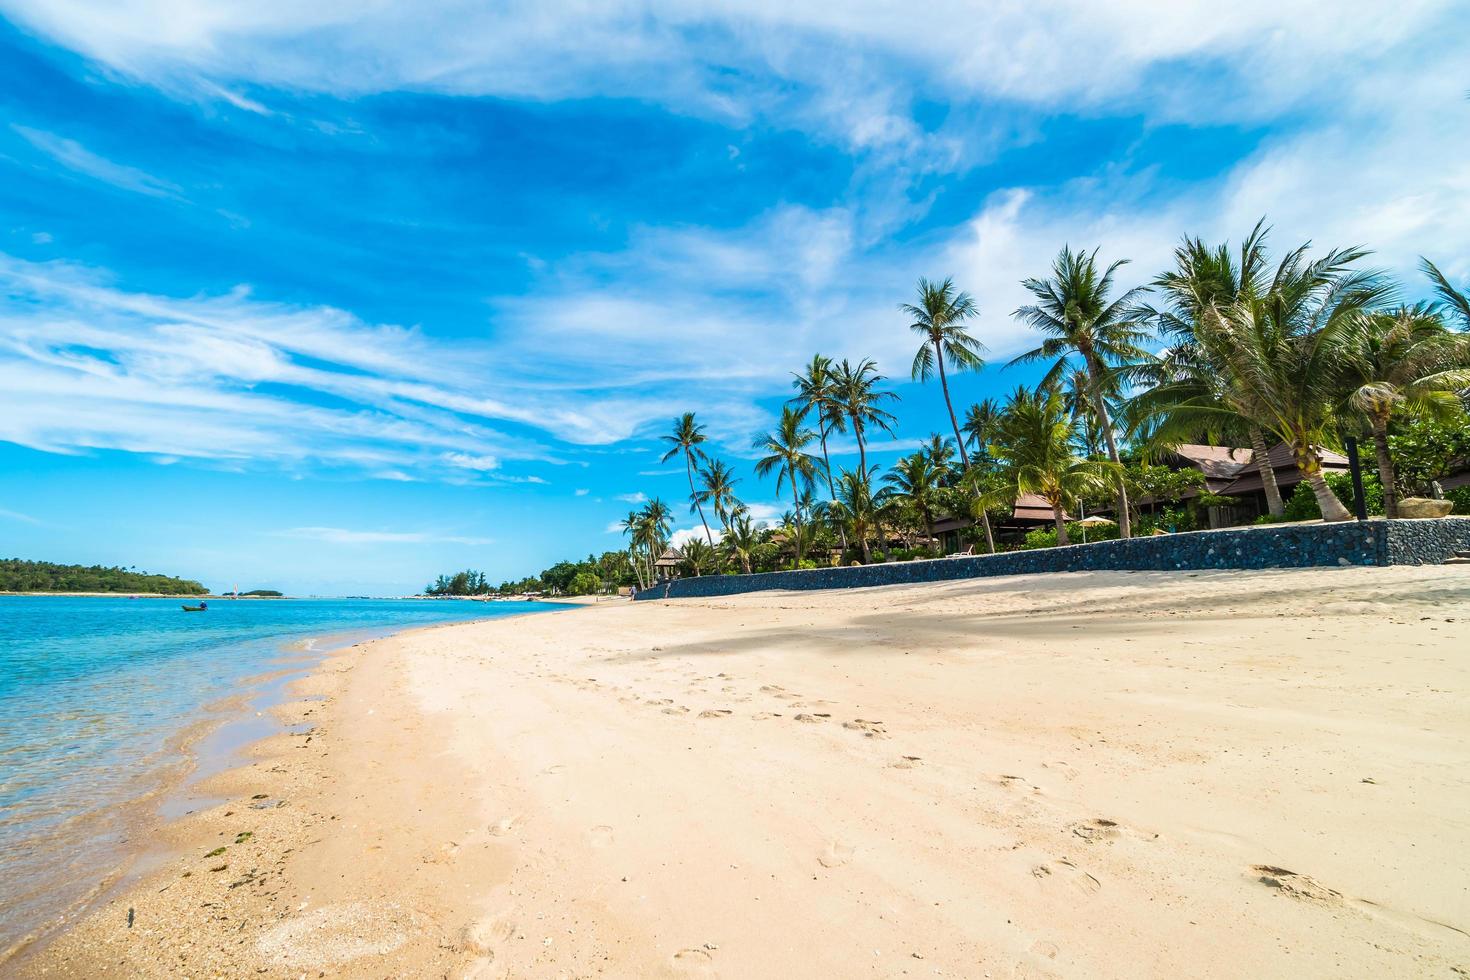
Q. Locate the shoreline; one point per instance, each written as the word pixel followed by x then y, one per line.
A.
pixel 1067 770
pixel 206 747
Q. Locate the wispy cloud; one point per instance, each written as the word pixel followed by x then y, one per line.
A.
pixel 76 157
pixel 338 535
pixel 15 515
pixel 638 497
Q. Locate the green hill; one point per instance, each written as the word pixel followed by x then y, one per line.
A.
pixel 18 575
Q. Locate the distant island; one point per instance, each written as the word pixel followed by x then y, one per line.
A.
pixel 257 594
pixel 19 575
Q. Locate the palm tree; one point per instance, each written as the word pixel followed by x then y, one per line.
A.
pixel 653 524
pixel 980 421
pixel 1284 350
pixel 816 391
pixel 742 538
pixel 915 480
pixel 787 457
pixel 1203 279
pixel 939 318
pixel 632 526
pixel 698 556
pixel 685 441
pixel 1076 312
pixel 941 455
pixel 856 509
pixel 717 488
pixel 1403 360
pixel 1035 453
pixel 1453 299
pixel 860 401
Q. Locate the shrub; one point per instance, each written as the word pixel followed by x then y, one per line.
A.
pixel 584 583
pixel 1302 504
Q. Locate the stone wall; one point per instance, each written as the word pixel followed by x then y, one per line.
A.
pixel 1377 542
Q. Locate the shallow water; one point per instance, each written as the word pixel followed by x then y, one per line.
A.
pixel 96 695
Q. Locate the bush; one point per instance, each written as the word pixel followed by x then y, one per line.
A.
pixel 1046 537
pixel 1302 504
pixel 1461 498
pixel 584 583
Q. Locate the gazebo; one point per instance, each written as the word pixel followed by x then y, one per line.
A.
pixel 668 563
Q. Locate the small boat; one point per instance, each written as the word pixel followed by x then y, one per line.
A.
pixel 199 608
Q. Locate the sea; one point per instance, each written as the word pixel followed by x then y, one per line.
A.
pixel 112 707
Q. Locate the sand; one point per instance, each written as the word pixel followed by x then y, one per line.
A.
pixel 1089 775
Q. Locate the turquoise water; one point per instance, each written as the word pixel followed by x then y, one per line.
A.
pixel 94 695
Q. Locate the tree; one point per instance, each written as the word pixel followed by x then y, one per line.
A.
pixel 1402 361
pixel 698 557
pixel 939 318
pixel 915 480
pixel 717 488
pixel 816 392
pixel 856 509
pixel 685 441
pixel 861 401
pixel 1284 349
pixel 1454 300
pixel 1034 448
pixel 741 539
pixel 1077 313
pixel 1192 398
pixel 584 583
pixel 786 456
pixel 980 422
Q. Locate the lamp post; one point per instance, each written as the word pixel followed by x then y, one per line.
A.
pixel 1360 504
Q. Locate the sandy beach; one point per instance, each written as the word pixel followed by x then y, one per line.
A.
pixel 1091 775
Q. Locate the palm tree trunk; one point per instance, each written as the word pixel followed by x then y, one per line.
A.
pixel 960 442
pixel 857 430
pixel 796 509
pixel 1094 373
pixel 1060 516
pixel 689 471
pixel 831 488
pixel 1385 467
pixel 1262 455
pixel 1311 467
pixel 745 562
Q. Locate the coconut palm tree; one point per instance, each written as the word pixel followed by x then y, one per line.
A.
pixel 941 455
pixel 1285 352
pixel 1403 361
pixel 1076 311
pixel 654 523
pixel 1454 300
pixel 633 528
pixel 685 441
pixel 741 538
pixel 1204 278
pixel 860 401
pixel 717 488
pixel 939 318
pixel 816 393
pixel 787 457
pixel 980 422
pixel 1035 453
pixel 698 557
pixel 916 480
pixel 856 509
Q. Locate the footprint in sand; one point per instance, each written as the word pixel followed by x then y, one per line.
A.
pixel 336 934
pixel 1295 885
pixel 1096 829
pixel 601 835
pixel 813 718
pixel 555 770
pixel 764 715
pixel 907 762
pixel 1064 870
pixel 485 936
pixel 870 729
pixel 677 709
pixel 697 962
pixel 835 854
pixel 714 713
pixel 504 826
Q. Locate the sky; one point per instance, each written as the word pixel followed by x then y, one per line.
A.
pixel 334 297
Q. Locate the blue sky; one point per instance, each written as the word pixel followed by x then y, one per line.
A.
pixel 334 297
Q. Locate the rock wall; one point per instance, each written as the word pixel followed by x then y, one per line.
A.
pixel 1377 542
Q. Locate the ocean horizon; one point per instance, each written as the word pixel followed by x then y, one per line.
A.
pixel 104 701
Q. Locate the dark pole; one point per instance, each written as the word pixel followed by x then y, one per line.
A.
pixel 1360 505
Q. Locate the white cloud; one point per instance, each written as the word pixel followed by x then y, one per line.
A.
pixel 337 535
pixel 72 155
pixel 468 461
pixel 42 238
pixel 581 492
pixel 15 515
pixel 633 498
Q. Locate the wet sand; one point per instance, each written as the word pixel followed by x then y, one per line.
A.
pixel 1107 774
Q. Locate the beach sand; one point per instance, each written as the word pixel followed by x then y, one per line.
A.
pixel 1221 774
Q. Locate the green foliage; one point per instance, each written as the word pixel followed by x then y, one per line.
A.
pixel 467 582
pixel 1046 537
pixel 19 575
pixel 1302 504
pixel 263 593
pixel 584 583
pixel 1425 450
pixel 1461 498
